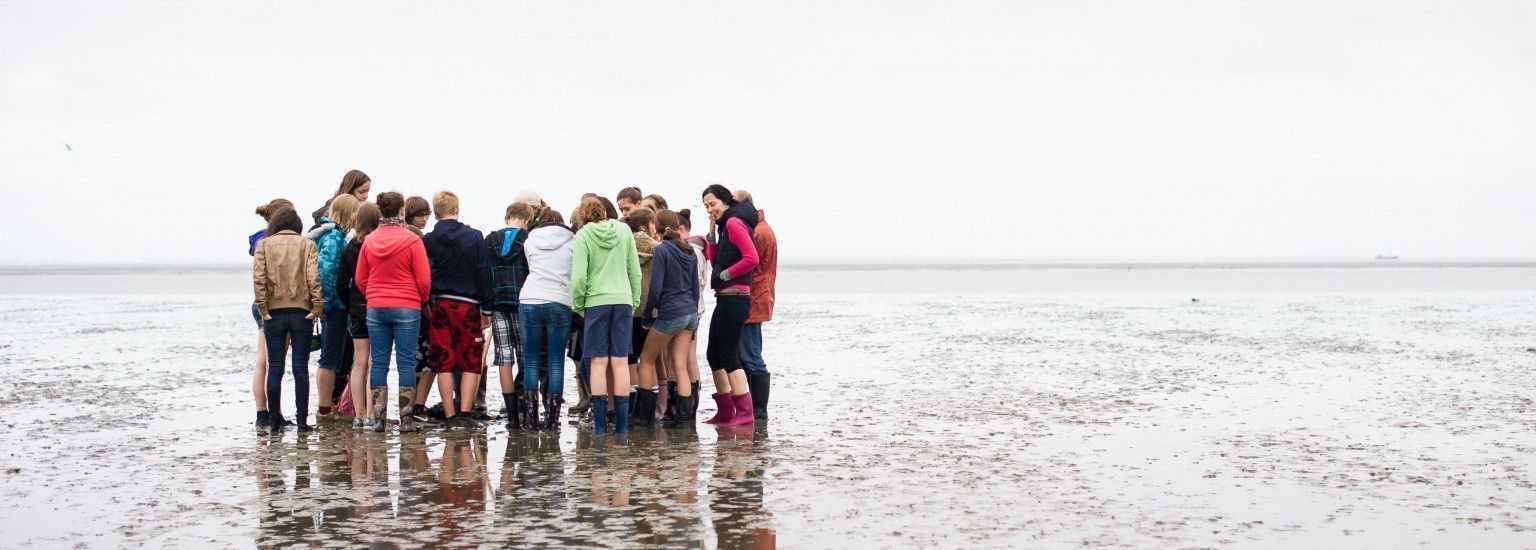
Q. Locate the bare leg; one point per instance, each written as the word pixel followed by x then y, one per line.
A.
pixel 325 383
pixel 424 386
pixel 722 382
pixel 506 379
pixel 620 376
pixel 445 391
pixel 655 344
pixel 359 379
pixel 680 347
pixel 259 379
pixel 693 356
pixel 738 381
pixel 468 384
pixel 599 377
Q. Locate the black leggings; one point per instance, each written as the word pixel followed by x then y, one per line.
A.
pixel 731 314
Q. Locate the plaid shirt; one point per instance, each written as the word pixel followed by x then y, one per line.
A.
pixel 508 265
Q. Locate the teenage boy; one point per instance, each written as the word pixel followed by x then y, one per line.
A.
pixel 460 283
pixel 508 270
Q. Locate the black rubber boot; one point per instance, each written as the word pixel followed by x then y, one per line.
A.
pixel 758 385
pixel 644 412
pixel 671 411
pixel 685 412
pixel 528 409
pixel 552 404
pixel 693 411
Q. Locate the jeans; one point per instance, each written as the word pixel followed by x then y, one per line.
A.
pixel 752 349
pixel 334 339
pixel 724 352
pixel 544 328
pixel 288 323
pixel 393 328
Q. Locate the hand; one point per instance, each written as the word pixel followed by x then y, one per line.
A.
pixel 266 317
pixel 485 321
pixel 311 317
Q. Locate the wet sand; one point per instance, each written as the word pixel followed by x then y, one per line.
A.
pixel 1105 418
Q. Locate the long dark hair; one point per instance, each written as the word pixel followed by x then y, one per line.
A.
pixel 350 182
pixel 366 219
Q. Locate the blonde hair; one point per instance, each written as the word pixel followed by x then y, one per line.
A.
pixel 445 203
pixel 343 211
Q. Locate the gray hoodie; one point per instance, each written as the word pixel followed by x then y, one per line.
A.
pixel 549 266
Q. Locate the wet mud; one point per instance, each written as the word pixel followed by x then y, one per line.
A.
pixel 976 420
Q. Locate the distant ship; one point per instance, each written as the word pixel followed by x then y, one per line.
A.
pixel 1386 258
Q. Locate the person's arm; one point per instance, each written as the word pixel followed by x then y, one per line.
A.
pixel 737 232
pixel 659 268
pixel 346 273
pixel 422 270
pixel 363 267
pixel 633 261
pixel 259 279
pixel 579 277
pixel 312 279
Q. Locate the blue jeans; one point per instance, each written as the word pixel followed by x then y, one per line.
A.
pixel 544 327
pixel 288 323
pixel 334 339
pixel 752 349
pixel 397 328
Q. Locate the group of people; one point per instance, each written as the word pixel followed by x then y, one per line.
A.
pixel 620 289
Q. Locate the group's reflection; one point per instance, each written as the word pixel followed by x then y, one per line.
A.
pixel 655 488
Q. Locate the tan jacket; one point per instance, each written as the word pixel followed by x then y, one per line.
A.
pixel 287 274
pixel 645 248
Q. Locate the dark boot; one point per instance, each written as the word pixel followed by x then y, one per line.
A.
pixel 407 399
pixel 757 384
pixel 621 421
pixel 528 408
pixel 671 410
pixel 599 414
pixel 514 410
pixel 552 403
pixel 695 402
pixel 684 418
pixel 644 412
pixel 303 423
pixel 509 401
pixel 380 398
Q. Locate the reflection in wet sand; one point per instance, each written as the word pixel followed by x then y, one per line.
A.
pixel 654 488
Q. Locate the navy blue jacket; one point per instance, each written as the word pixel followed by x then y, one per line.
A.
pixel 456 253
pixel 674 289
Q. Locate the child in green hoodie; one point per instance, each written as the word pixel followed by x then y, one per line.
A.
pixel 605 290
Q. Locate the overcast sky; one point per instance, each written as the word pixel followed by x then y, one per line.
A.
pixel 867 130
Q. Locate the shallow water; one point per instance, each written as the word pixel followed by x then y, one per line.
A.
pixel 1101 419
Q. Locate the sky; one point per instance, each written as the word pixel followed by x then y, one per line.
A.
pixel 867 131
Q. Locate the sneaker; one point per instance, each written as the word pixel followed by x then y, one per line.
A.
pixel 357 424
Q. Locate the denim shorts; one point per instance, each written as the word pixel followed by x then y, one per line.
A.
pixel 607 331
pixel 676 324
pixel 256 315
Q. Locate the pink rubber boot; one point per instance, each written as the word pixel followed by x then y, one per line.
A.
pixel 744 415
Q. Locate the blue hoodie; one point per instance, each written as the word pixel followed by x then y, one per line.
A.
pixel 457 254
pixel 674 289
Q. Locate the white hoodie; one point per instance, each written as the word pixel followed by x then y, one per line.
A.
pixel 549 266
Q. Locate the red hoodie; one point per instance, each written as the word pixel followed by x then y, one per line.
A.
pixel 392 270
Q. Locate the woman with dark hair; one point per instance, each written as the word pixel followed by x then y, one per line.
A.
pixel 286 278
pixel 642 222
pixel 734 257
pixel 354 183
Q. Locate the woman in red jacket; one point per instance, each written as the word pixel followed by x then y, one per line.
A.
pixel 393 274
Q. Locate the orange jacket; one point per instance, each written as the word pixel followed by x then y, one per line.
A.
pixel 767 270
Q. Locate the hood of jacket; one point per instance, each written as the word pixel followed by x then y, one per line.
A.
pixel 455 234
pixel 604 235
pixel 674 252
pixel 389 240
pixel 549 237
pixel 320 230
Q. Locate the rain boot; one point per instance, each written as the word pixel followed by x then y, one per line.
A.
pixel 671 408
pixel 621 423
pixel 379 397
pixel 599 414
pixel 644 411
pixel 407 399
pixel 724 408
pixel 758 385
pixel 584 391
pixel 552 403
pixel 695 402
pixel 743 405
pixel 509 402
pixel 515 410
pixel 683 418
pixel 528 407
